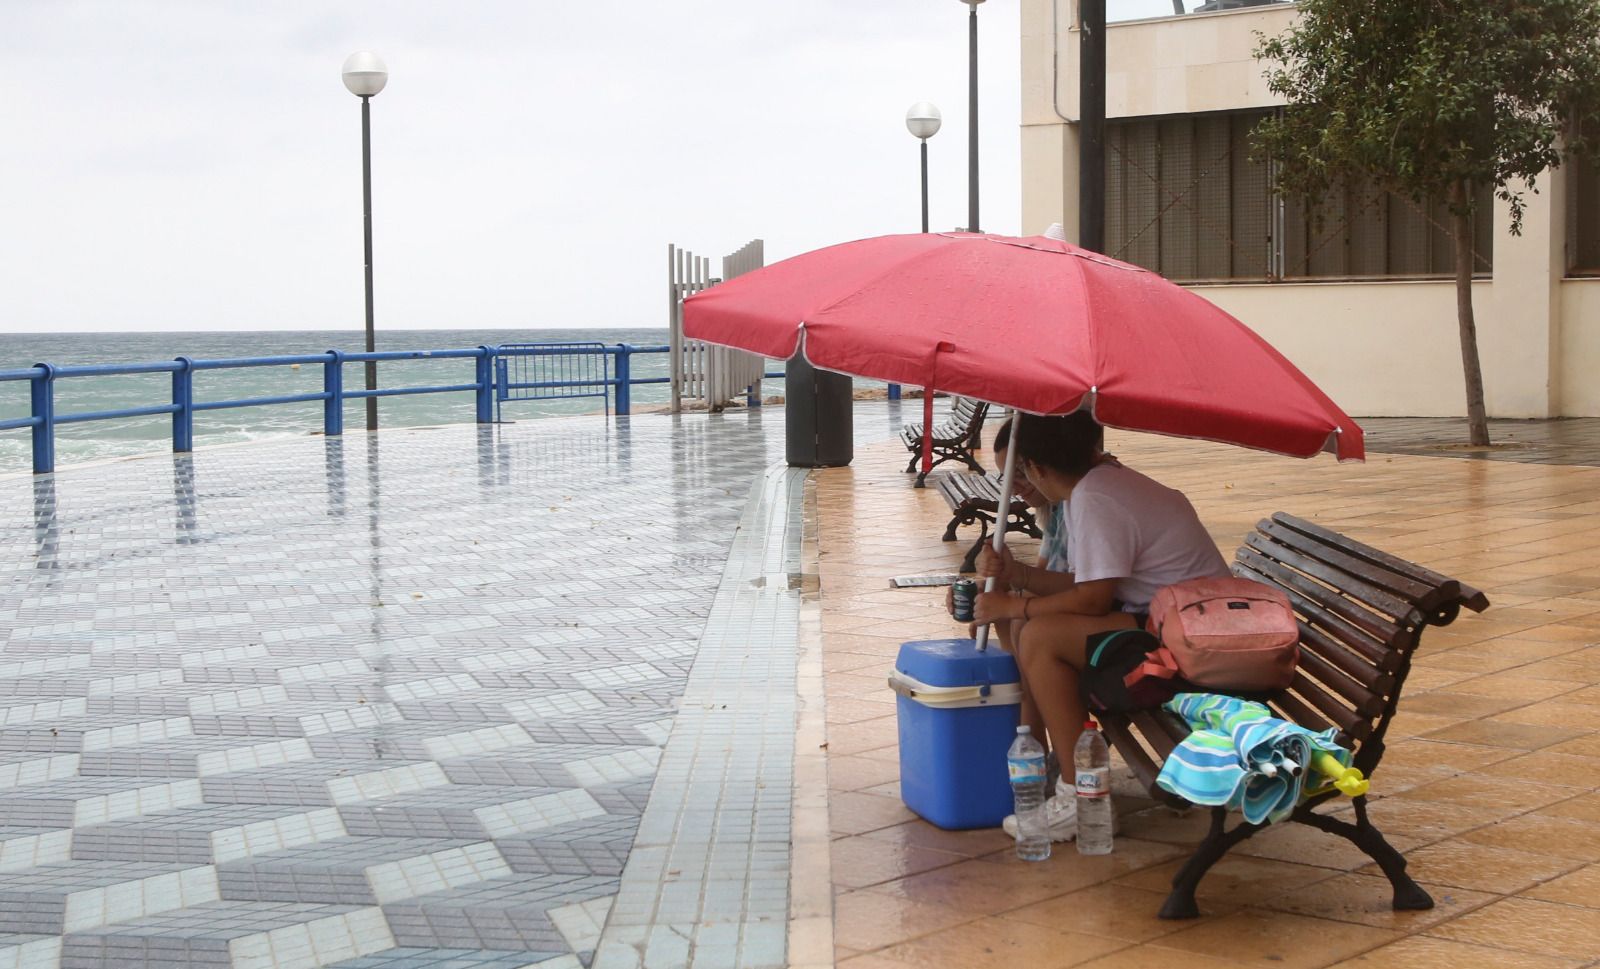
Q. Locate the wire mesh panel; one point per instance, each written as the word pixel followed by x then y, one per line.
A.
pixel 1185 198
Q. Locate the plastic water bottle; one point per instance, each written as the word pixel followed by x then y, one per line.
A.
pixel 1092 760
pixel 1025 760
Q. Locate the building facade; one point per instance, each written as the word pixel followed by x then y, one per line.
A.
pixel 1358 291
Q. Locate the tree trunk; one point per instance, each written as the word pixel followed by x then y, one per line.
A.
pixel 1477 417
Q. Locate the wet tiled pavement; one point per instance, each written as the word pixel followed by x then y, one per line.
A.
pixel 1489 783
pixel 395 700
pixel 553 694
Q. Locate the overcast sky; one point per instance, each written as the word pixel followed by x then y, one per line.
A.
pixel 195 164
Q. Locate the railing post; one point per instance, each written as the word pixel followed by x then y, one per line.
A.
pixel 333 386
pixel 183 399
pixel 624 380
pixel 485 364
pixel 502 384
pixel 44 410
pixel 752 393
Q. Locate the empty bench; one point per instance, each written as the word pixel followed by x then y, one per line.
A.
pixel 954 438
pixel 1361 613
pixel 976 498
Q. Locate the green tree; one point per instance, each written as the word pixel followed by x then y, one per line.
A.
pixel 1432 99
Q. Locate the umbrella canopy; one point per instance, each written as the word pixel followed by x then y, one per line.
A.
pixel 1030 323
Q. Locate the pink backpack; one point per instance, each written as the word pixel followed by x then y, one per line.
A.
pixel 1223 634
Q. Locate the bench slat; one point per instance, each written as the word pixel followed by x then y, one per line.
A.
pixel 1159 736
pixel 1363 701
pixel 1471 598
pixel 1133 753
pixel 1332 651
pixel 1349 585
pixel 1296 709
pixel 1346 719
pixel 1345 617
pixel 1401 586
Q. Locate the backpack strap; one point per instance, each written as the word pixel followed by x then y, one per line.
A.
pixel 1161 665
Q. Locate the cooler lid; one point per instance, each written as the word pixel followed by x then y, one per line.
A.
pixel 956 662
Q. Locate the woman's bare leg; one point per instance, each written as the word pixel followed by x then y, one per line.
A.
pixel 1010 634
pixel 1053 649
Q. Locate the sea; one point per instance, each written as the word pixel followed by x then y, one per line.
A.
pixel 99 440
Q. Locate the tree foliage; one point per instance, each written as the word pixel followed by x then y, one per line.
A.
pixel 1432 99
pixel 1427 98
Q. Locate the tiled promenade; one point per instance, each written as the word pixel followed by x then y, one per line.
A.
pixel 397 700
pixel 1490 783
pixel 551 694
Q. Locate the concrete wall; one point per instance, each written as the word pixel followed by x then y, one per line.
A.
pixel 1378 348
pixel 1580 348
pixel 1375 348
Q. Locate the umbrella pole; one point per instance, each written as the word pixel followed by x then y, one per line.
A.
pixel 1001 513
pixel 927 436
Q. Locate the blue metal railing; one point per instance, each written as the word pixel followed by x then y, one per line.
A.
pixel 43 419
pixel 552 371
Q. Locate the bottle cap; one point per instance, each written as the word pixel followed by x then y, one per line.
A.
pixel 1090 725
pixel 1024 728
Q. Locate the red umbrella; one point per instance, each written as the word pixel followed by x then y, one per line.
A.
pixel 1028 323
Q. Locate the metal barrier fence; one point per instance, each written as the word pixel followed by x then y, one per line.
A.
pixel 43 419
pixel 551 371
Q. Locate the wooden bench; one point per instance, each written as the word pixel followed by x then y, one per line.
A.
pixel 1361 614
pixel 954 438
pixel 976 498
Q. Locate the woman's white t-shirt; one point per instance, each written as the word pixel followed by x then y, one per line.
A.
pixel 1123 525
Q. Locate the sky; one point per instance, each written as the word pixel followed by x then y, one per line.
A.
pixel 196 164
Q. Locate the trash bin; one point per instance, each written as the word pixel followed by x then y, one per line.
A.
pixel 818 416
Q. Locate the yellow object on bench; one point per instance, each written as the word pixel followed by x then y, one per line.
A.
pixel 1349 781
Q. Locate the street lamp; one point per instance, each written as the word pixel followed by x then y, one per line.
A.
pixel 364 76
pixel 923 120
pixel 972 116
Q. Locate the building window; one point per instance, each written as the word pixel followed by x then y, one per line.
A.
pixel 1184 198
pixel 1583 217
pixel 1152 9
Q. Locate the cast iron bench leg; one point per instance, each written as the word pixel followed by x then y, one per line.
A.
pixel 1408 895
pixel 1181 904
pixel 970 562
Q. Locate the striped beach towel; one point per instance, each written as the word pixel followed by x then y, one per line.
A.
pixel 1242 757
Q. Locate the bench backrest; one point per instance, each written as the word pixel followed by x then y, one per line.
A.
pixel 1361 612
pixel 966 415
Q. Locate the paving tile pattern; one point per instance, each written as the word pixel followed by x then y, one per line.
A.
pixel 1488 784
pixel 385 701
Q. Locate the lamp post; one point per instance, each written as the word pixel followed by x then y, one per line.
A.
pixel 364 76
pixel 923 120
pixel 972 115
pixel 1092 124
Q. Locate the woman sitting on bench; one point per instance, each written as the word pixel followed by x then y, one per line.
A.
pixel 1127 537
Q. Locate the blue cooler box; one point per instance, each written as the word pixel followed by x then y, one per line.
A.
pixel 958 711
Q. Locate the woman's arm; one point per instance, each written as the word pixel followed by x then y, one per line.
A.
pixel 1039 580
pixel 1083 599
